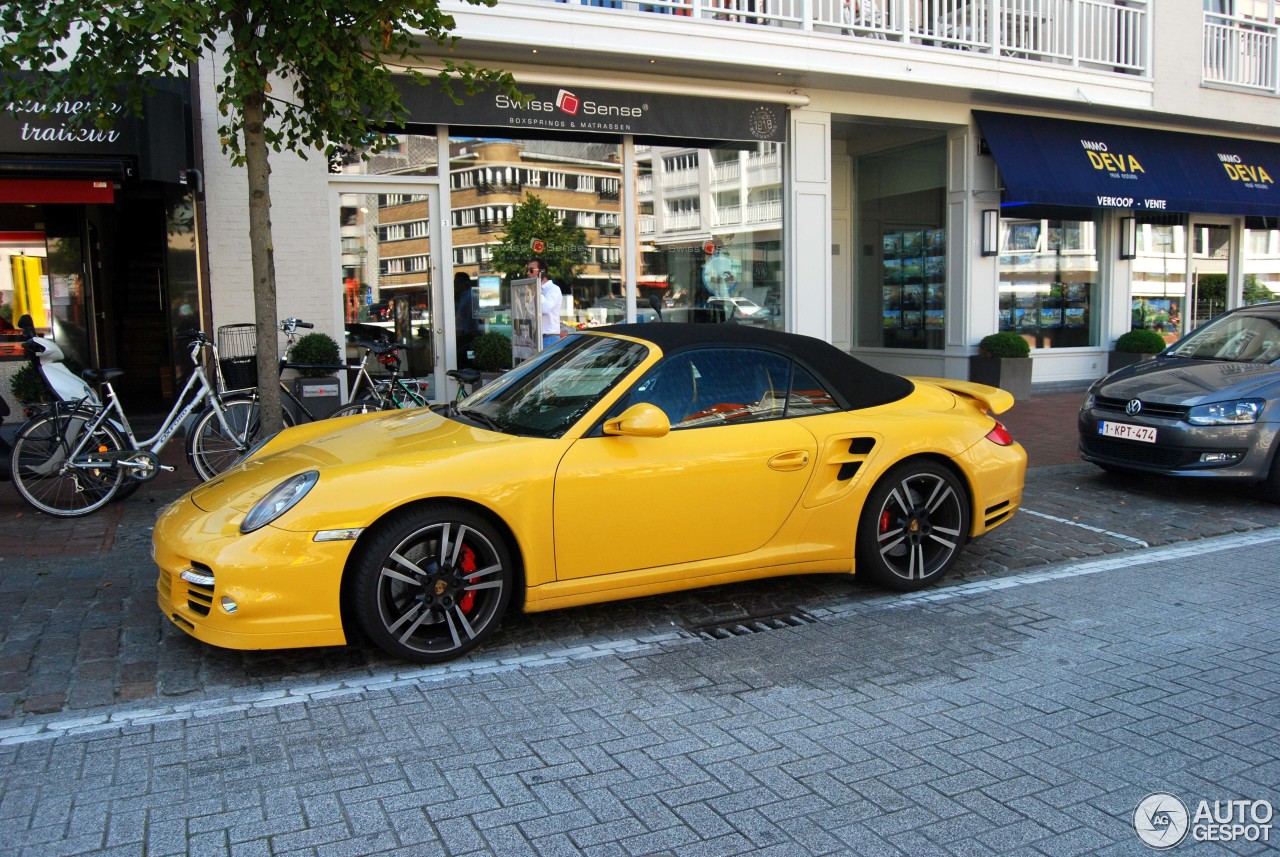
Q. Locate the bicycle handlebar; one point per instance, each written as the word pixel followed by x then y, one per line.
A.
pixel 379 347
pixel 289 325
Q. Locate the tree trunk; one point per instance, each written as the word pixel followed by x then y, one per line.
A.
pixel 262 256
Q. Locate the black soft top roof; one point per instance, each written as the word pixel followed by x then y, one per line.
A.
pixel 853 383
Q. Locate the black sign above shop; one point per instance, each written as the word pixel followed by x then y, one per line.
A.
pixel 578 110
pixel 48 132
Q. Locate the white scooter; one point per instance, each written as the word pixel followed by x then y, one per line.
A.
pixel 46 356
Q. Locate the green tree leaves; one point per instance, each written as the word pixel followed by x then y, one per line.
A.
pixel 564 246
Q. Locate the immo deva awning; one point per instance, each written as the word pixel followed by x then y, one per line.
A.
pixel 1093 165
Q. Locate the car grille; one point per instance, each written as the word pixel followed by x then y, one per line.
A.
pixel 997 513
pixel 200 597
pixel 1149 409
pixel 1136 452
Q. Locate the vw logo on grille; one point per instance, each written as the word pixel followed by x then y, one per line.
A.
pixel 1133 407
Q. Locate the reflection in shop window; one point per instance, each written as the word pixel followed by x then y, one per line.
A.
pixel 708 224
pixel 693 263
pixel 1049 281
pixel 1261 261
pixel 686 195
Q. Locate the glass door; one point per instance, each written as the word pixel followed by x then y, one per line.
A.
pixel 1210 275
pixel 389 273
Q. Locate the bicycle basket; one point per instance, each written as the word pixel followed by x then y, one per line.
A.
pixel 238 355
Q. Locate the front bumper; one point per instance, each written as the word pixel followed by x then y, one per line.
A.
pixel 271 589
pixel 1242 452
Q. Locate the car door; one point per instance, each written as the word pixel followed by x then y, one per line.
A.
pixel 720 484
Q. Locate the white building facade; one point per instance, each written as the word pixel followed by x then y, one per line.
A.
pixel 900 178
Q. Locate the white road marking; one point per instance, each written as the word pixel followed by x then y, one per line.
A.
pixel 1026 511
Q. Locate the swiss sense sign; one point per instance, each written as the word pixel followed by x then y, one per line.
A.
pixel 576 110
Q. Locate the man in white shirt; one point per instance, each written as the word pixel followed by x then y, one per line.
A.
pixel 549 304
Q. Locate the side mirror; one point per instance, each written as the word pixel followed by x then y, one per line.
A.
pixel 639 420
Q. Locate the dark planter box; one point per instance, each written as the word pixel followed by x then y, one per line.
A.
pixel 1120 359
pixel 318 395
pixel 1008 373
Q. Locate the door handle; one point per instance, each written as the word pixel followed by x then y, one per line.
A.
pixel 795 460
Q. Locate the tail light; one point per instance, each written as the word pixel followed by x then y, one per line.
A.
pixel 1000 435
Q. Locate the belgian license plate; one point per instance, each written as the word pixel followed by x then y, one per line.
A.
pixel 1146 434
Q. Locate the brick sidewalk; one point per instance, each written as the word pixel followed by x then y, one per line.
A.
pixel 26 533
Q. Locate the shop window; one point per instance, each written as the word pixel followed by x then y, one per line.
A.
pixel 901 283
pixel 1159 287
pixel 1049 281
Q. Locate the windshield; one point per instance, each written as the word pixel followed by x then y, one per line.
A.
pixel 1240 337
pixel 547 395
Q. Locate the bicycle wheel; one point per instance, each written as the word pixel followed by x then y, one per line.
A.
pixel 45 475
pixel 212 449
pixel 364 406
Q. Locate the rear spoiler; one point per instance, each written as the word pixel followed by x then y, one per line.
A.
pixel 993 399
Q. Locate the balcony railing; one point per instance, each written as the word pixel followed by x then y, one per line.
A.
pixel 679 179
pixel 1241 52
pixel 768 211
pixel 1113 35
pixel 727 172
pixel 487 188
pixel 682 220
pixel 729 215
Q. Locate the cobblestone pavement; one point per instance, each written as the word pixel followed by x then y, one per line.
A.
pixel 1026 714
pixel 79 632
pixel 1117 638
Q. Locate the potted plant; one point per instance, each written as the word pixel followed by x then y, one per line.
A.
pixel 27 387
pixel 492 352
pixel 1134 347
pixel 1003 360
pixel 315 358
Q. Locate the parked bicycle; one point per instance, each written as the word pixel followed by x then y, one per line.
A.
pixel 383 394
pixel 78 455
pixel 469 380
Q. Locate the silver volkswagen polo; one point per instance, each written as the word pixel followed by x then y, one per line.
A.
pixel 1207 406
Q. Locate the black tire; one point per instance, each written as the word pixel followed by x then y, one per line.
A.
pixel 1270 487
pixel 432 583
pixel 366 405
pixel 914 525
pixel 210 448
pixel 41 466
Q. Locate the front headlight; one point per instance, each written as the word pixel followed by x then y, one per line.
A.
pixel 1239 412
pixel 282 498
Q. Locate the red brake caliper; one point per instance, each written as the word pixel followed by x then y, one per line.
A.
pixel 884 521
pixel 468 565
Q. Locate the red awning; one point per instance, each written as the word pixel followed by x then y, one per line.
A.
pixel 56 190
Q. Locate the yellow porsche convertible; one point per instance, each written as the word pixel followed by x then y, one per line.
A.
pixel 746 453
